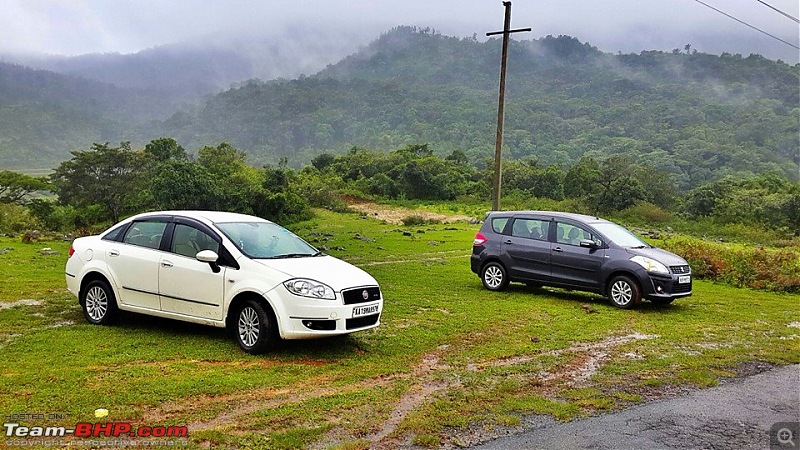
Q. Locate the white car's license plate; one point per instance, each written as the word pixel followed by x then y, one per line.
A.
pixel 684 279
pixel 365 310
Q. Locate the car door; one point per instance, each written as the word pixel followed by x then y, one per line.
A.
pixel 527 249
pixel 134 263
pixel 188 286
pixel 571 264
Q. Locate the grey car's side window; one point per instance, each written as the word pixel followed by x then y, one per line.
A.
pixel 499 224
pixel 572 235
pixel 531 229
pixel 145 234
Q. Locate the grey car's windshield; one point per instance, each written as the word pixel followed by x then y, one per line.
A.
pixel 265 240
pixel 620 235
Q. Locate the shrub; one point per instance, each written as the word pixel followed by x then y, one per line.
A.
pixel 755 268
pixel 417 220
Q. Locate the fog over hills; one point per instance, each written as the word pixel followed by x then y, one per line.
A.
pixel 695 115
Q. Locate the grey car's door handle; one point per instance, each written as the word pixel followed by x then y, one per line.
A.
pixel 558 249
pixel 166 263
pixel 113 253
pixel 508 241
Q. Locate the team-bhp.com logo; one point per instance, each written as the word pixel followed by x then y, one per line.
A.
pixel 86 429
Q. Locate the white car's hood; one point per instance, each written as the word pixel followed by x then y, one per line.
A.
pixel 334 272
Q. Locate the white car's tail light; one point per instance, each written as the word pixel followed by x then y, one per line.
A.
pixel 71 250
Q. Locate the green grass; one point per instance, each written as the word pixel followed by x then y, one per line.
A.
pixel 448 355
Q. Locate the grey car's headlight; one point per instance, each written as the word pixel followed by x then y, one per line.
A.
pixel 310 288
pixel 650 264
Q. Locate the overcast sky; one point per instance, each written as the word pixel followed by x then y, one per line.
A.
pixel 72 27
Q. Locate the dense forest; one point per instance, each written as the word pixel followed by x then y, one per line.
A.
pixel 695 116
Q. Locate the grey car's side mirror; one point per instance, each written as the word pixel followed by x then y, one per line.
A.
pixel 210 257
pixel 588 243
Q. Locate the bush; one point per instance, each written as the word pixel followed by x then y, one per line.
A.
pixel 645 214
pixel 15 218
pixel 417 220
pixel 755 268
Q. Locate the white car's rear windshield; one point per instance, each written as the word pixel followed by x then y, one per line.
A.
pixel 265 240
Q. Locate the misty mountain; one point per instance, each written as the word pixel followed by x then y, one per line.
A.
pixel 188 70
pixel 44 115
pixel 695 115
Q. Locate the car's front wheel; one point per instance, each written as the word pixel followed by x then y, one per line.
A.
pixel 624 292
pixel 99 304
pixel 494 276
pixel 256 331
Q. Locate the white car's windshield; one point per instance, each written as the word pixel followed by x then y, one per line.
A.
pixel 265 240
pixel 619 235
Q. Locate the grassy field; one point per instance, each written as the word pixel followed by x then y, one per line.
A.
pixel 451 363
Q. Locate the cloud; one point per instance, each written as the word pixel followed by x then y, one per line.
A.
pixel 83 26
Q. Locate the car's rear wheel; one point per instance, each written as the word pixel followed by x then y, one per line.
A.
pixel 624 292
pixel 98 302
pixel 255 330
pixel 494 276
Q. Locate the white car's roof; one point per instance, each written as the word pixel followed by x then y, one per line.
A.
pixel 206 216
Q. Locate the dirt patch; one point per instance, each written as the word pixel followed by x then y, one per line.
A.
pixel 396 214
pixel 589 357
pixel 18 303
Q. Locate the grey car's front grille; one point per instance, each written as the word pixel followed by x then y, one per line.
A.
pixel 679 270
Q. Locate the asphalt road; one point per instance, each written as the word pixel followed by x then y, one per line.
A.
pixel 757 412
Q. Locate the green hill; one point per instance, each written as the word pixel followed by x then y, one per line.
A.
pixel 698 116
pixel 45 115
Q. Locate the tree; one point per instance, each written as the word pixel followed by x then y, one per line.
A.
pixel 106 176
pixel 16 187
pixel 164 149
pixel 181 184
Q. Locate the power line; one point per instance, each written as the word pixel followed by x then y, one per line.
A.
pixel 778 10
pixel 747 24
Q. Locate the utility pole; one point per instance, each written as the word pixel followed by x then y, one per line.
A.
pixel 501 105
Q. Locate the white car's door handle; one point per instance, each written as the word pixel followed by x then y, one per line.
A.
pixel 166 263
pixel 113 253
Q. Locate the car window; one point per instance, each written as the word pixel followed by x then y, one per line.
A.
pixel 266 240
pixel 188 241
pixel 114 235
pixel 572 235
pixel 530 229
pixel 145 234
pixel 499 224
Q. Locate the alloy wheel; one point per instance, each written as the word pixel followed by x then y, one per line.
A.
pixel 96 303
pixel 249 326
pixel 621 293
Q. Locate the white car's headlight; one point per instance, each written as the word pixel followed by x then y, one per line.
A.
pixel 310 288
pixel 651 265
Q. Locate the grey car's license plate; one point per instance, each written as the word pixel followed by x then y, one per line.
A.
pixel 684 279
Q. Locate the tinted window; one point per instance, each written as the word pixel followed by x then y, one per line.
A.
pixel 530 229
pixel 188 241
pixel 572 235
pixel 114 235
pixel 499 224
pixel 145 234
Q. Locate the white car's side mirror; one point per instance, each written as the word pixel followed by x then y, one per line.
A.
pixel 208 256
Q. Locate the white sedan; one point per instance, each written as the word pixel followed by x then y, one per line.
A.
pixel 230 270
